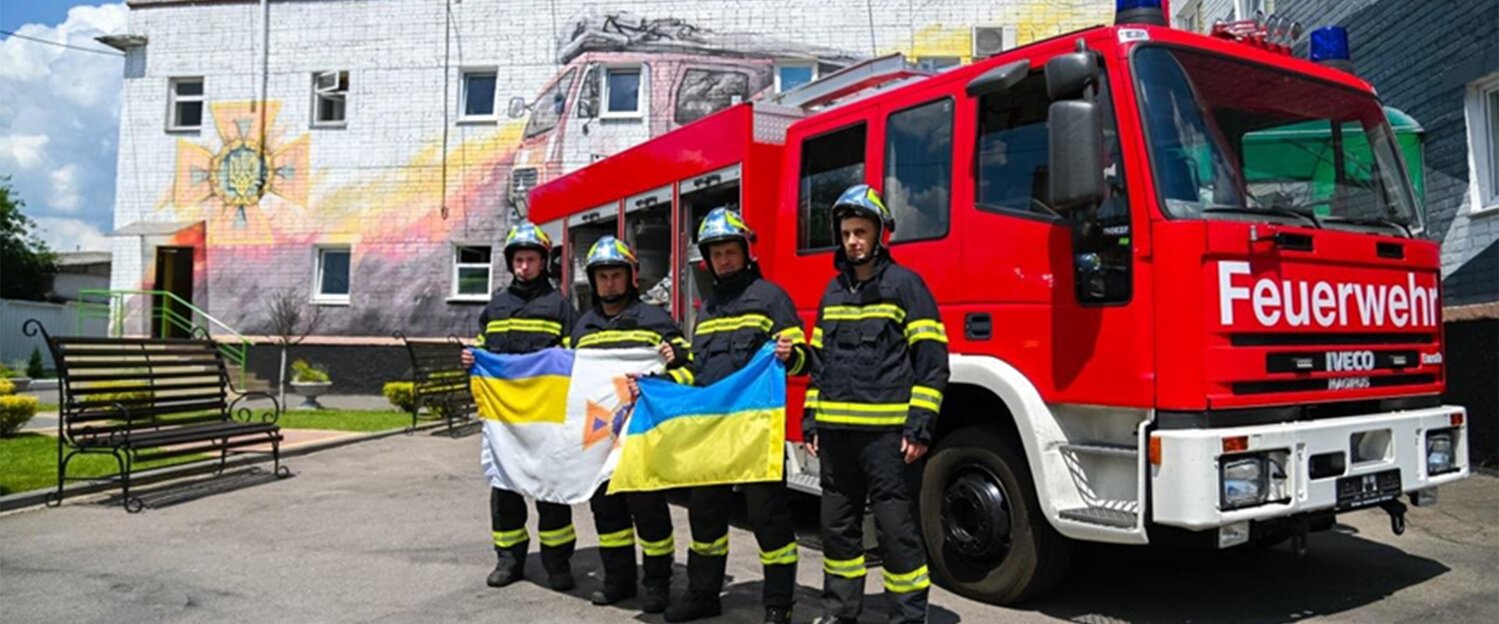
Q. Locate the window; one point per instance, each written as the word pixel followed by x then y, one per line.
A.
pixel 1189 16
pixel 918 170
pixel 622 86
pixel 1483 141
pixel 1246 9
pixel 330 92
pixel 478 94
pixel 332 278
pixel 704 92
pixel 471 272
pixel 547 110
pixel 185 110
pixel 1013 149
pixel 830 164
pixel 792 75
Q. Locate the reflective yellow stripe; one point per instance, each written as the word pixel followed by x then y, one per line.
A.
pixel 846 568
pixel 868 414
pixel 854 313
pixel 916 580
pixel 479 342
pixel 660 548
pixel 816 337
pixel 715 548
pixel 567 342
pixel 781 556
pixel 558 537
pixel 926 329
pixel 685 346
pixel 617 539
pixel 682 376
pixel 795 334
pixel 811 402
pixel 525 325
pixel 798 361
pixel 731 323
pixel 927 398
pixel 615 335
pixel 506 539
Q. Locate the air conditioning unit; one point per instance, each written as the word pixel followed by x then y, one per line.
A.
pixel 991 40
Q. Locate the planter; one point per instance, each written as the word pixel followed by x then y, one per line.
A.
pixel 310 391
pixel 22 383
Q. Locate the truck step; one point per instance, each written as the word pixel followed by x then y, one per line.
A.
pixel 1101 516
pixel 803 482
pixel 1094 448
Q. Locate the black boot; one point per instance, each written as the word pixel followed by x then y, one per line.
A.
pixel 694 607
pixel 833 619
pixel 509 569
pixel 561 579
pixel 656 598
pixel 777 615
pixel 609 595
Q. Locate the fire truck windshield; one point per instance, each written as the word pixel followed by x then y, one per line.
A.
pixel 1235 140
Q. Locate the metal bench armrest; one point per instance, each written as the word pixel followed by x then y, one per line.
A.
pixel 247 415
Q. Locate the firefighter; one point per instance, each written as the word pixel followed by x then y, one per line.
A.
pixel 871 410
pixel 743 313
pixel 527 316
pixel 620 320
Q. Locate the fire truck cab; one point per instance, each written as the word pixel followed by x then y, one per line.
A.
pixel 1182 277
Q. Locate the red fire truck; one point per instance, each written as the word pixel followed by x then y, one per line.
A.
pixel 1183 277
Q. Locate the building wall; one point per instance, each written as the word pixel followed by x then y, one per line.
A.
pixel 404 179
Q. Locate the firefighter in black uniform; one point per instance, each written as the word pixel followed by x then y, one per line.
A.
pixel 872 409
pixel 619 320
pixel 744 312
pixel 527 316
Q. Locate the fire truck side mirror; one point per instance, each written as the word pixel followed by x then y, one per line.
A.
pixel 999 79
pixel 1075 167
pixel 1069 75
pixel 517 107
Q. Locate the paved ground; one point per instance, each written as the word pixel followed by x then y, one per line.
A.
pixel 396 530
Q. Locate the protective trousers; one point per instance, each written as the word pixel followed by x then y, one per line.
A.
pixel 856 465
pixel 614 516
pixel 770 519
pixel 507 518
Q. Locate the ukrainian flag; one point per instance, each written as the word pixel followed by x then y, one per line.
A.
pixel 731 432
pixel 522 389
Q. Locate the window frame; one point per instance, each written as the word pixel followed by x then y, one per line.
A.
pixel 1483 153
pixel 789 64
pixel 320 298
pixel 318 94
pixel 976 169
pixel 801 155
pixel 952 164
pixel 642 94
pixel 173 99
pixel 463 115
pixel 459 265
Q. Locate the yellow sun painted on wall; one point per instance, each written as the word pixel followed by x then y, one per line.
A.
pixel 243 170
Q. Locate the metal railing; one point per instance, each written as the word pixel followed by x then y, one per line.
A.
pixel 111 305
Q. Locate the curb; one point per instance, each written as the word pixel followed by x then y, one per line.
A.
pixel 22 500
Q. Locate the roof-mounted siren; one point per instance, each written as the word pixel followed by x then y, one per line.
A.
pixel 1146 12
pixel 1330 47
pixel 1272 33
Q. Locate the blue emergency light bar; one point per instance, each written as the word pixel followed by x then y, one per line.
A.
pixel 1150 12
pixel 1329 46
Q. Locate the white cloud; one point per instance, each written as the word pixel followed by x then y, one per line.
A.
pixel 64 234
pixel 59 123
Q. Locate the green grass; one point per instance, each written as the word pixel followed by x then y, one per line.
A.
pixel 28 461
pixel 345 420
pixel 45 407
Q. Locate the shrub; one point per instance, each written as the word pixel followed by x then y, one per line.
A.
pixel 306 372
pixel 6 387
pixel 34 364
pixel 5 371
pixel 400 394
pixel 15 412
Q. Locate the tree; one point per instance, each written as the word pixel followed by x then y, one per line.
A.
pixel 25 260
pixel 284 311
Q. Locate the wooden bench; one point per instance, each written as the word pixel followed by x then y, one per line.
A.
pixel 438 381
pixel 139 399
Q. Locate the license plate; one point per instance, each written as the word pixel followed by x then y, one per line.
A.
pixel 1368 489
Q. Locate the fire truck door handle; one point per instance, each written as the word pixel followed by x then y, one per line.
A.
pixel 978 326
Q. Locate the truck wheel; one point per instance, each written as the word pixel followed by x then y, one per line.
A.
pixel 986 536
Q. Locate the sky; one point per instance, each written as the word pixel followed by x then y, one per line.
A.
pixel 59 116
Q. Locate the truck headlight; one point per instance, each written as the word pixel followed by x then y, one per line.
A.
pixel 1440 456
pixel 1244 481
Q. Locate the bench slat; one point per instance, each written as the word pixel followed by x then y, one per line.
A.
pixel 179 450
pixel 82 393
pixel 82 379
pixel 143 412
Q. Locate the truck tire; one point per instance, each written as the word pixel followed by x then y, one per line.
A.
pixel 986 536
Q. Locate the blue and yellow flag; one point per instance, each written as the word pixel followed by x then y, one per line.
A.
pixel 520 389
pixel 731 432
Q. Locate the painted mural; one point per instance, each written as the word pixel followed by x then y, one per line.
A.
pixel 268 205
